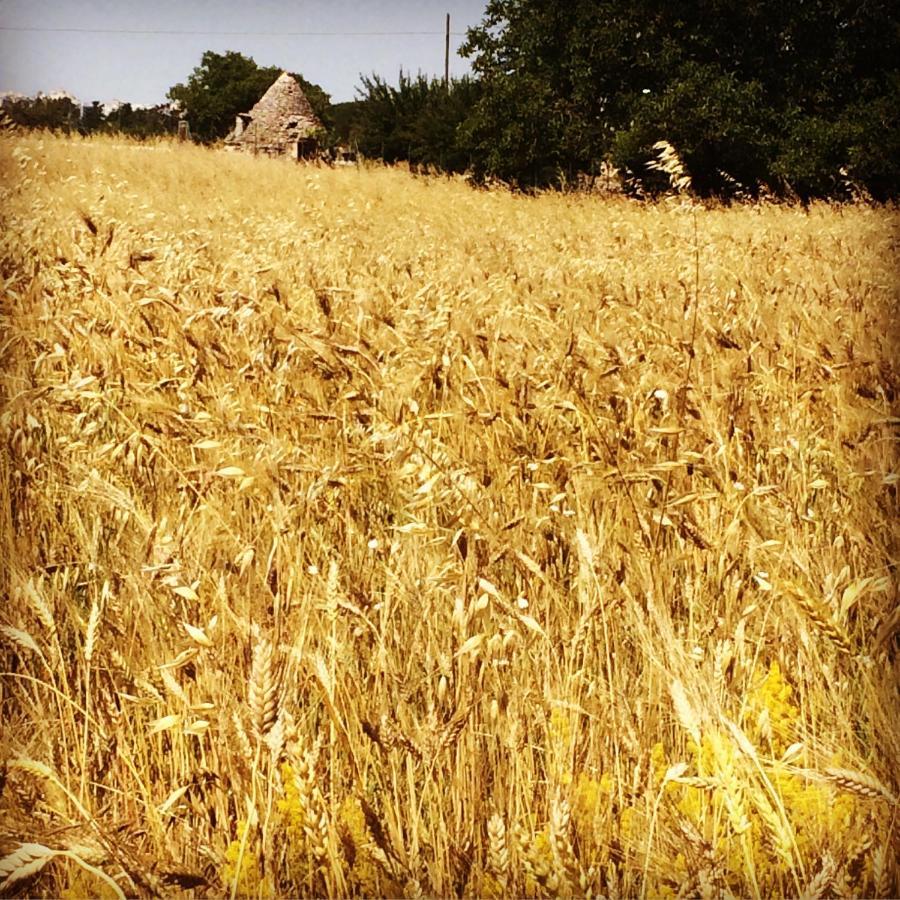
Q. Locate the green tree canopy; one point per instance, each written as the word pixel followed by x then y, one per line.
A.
pixel 225 84
pixel 762 91
pixel 420 120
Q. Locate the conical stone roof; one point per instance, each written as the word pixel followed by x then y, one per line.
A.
pixel 282 115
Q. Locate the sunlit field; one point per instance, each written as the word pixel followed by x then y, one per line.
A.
pixel 367 534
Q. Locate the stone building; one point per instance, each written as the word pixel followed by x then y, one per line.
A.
pixel 281 124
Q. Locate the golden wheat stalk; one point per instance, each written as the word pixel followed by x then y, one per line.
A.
pixel 26 860
pixel 29 858
pixel 498 853
pixel 454 726
pixel 880 872
pixel 42 770
pixel 525 859
pixel 244 745
pixel 669 163
pixel 263 692
pixel 390 734
pixel 687 715
pixel 332 592
pixel 860 784
pixel 566 865
pixel 22 638
pixel 821 881
pixel 315 816
pixel 93 626
pixel 820 618
pixel 42 610
pixel 275 739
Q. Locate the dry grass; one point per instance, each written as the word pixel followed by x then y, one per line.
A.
pixel 371 535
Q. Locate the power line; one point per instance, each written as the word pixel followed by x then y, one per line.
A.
pixel 161 31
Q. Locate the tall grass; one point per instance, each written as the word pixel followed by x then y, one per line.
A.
pixel 371 535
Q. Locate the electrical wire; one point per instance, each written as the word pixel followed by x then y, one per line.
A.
pixel 163 31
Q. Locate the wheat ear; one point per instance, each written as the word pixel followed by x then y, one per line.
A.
pixel 821 880
pixel 860 784
pixel 820 618
pixel 42 770
pixel 263 689
pixel 26 860
pixel 880 872
pixel 498 853
pixel 563 854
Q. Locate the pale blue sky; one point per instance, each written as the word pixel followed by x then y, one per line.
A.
pixel 98 65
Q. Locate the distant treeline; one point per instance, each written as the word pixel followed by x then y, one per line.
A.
pixel 66 114
pixel 795 99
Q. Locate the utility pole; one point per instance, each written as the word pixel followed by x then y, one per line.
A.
pixel 447 56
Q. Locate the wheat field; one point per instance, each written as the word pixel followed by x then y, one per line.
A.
pixel 367 534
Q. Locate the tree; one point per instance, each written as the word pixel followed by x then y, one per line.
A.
pixel 419 120
pixel 142 121
pixel 556 83
pixel 719 124
pixel 347 122
pixel 92 118
pixel 226 84
pixel 752 92
pixel 57 112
